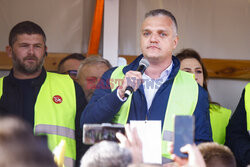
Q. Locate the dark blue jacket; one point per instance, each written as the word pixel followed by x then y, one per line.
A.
pixel 237 137
pixel 105 104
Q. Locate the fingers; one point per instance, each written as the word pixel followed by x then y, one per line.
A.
pixel 133 79
pixel 171 147
pixel 136 138
pixel 179 161
pixel 186 149
pixel 135 144
pixel 131 137
pixel 195 158
pixel 191 150
pixel 123 139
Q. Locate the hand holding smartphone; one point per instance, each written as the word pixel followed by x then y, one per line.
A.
pixel 183 133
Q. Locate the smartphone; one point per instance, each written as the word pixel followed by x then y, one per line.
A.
pixel 94 133
pixel 183 133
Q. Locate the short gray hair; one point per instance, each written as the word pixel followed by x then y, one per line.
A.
pixel 93 60
pixel 108 154
pixel 163 12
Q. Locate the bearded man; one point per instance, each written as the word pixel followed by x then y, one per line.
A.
pixel 51 103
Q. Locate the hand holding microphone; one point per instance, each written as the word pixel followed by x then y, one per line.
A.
pixel 133 79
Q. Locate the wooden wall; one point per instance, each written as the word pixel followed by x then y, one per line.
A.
pixel 217 68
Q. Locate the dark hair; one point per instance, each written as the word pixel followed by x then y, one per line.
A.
pixel 215 154
pixel 77 56
pixel 190 53
pixel 25 27
pixel 164 12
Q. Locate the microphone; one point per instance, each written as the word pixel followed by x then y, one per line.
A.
pixel 143 65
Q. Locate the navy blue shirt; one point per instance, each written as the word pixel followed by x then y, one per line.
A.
pixel 28 93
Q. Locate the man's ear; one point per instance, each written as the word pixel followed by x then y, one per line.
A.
pixel 175 41
pixel 8 51
pixel 46 53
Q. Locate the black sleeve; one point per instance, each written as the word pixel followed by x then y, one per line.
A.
pixel 81 102
pixel 237 137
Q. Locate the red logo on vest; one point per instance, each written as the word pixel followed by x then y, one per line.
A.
pixel 57 99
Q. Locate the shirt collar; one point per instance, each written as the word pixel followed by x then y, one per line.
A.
pixel 164 75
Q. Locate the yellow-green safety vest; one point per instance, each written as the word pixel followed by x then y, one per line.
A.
pixel 247 105
pixel 1 87
pixel 54 113
pixel 219 118
pixel 184 89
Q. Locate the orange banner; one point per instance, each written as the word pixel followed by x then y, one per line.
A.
pixel 95 33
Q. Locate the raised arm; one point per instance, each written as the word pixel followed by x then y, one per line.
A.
pixel 104 104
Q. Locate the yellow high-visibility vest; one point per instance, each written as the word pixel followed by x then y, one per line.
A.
pixel 219 118
pixel 182 101
pixel 54 113
pixel 247 105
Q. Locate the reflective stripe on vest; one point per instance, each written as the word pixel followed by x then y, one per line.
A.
pixel 59 131
pixel 184 89
pixel 57 120
pixel 219 118
pixel 55 130
pixel 1 87
pixel 168 135
pixel 247 105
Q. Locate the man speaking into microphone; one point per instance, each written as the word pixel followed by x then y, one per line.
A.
pixel 159 93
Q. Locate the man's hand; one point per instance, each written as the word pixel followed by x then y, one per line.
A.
pixel 133 79
pixel 194 159
pixel 132 142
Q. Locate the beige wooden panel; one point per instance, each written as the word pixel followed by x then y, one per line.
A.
pixel 228 69
pixel 51 62
pixel 217 68
pixel 221 68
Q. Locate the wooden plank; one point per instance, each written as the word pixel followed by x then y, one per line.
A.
pixel 50 64
pixel 217 68
pixel 53 59
pixel 129 58
pixel 221 68
pixel 5 61
pixel 228 69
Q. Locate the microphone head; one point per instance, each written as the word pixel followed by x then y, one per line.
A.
pixel 144 62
